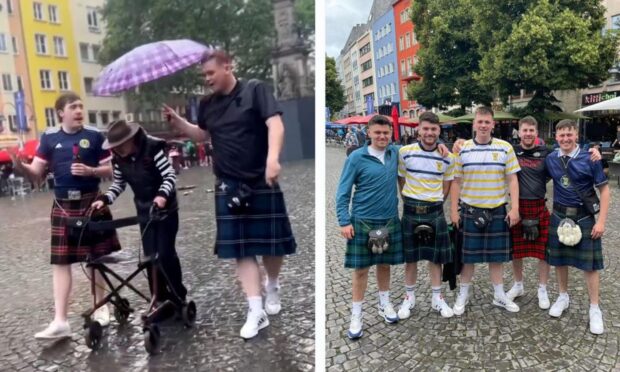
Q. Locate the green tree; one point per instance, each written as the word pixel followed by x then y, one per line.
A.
pixel 334 93
pixel 243 28
pixel 552 46
pixel 448 55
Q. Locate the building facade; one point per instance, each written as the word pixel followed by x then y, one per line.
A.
pixel 406 49
pixel 386 71
pixel 89 34
pixel 366 73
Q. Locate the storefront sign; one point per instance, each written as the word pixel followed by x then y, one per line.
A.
pixel 590 99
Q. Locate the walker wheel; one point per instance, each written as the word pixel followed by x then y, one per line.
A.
pixel 93 334
pixel 189 314
pixel 151 339
pixel 121 312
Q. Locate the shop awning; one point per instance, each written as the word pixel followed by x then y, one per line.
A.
pixel 609 105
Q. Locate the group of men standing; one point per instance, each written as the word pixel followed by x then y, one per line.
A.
pixel 480 177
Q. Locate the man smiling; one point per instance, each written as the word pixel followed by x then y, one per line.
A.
pixel 574 179
pixel 372 170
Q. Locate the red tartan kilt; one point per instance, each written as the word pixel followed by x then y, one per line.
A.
pixel 531 209
pixel 64 248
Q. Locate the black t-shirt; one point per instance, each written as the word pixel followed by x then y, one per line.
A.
pixel 533 176
pixel 239 134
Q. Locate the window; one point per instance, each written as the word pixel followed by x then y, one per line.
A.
pixel 409 66
pixel 20 85
pixel 402 67
pixel 63 80
pixel 50 117
pixel 365 49
pixel 403 16
pixel 9 6
pixel 93 22
pixel 13 123
pixel 84 52
pixel 59 46
pixel 38 11
pixel 53 13
pixel 367 82
pixel 46 79
pixel 95 52
pixel 88 85
pixel 7 84
pixel 116 115
pixel 414 40
pixel 14 42
pixel 615 22
pixel 407 40
pixel 92 117
pixel 105 117
pixel 404 94
pixel 41 43
pixel 2 43
pixel 401 43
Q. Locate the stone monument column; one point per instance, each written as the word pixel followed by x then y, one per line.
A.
pixel 290 55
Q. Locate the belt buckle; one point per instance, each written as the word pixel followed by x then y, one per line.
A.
pixel 572 211
pixel 74 195
pixel 420 209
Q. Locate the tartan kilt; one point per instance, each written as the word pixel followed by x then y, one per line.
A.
pixel 531 209
pixel 67 248
pixel 491 244
pixel 359 256
pixel 263 230
pixel 586 256
pixel 441 251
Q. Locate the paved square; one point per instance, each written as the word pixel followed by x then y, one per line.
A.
pixel 485 337
pixel 26 303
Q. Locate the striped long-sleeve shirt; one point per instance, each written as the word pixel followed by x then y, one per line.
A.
pixel 149 173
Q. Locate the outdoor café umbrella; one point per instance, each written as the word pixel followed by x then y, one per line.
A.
pixel 147 63
pixel 610 104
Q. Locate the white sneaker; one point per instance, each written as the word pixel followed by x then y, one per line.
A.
pixel 459 305
pixel 405 308
pixel 387 312
pixel 506 304
pixel 559 306
pixel 355 329
pixel 596 321
pixel 543 299
pixel 272 302
pixel 515 292
pixel 54 330
pixel 256 321
pixel 102 315
pixel 441 306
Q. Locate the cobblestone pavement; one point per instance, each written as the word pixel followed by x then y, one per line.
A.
pixel 485 337
pixel 26 303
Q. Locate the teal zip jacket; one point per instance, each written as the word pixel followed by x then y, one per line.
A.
pixel 376 186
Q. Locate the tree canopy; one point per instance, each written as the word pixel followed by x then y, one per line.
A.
pixel 334 92
pixel 476 50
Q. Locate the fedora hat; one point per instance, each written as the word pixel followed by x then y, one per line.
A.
pixel 119 132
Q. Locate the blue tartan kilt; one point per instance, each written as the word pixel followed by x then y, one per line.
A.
pixel 491 244
pixel 587 255
pixel 359 256
pixel 441 251
pixel 262 230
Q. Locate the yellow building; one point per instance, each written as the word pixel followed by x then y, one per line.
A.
pixel 51 54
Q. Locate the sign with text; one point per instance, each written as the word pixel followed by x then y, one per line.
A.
pixel 590 99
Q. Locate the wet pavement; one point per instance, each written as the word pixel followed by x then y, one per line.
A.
pixel 485 337
pixel 26 303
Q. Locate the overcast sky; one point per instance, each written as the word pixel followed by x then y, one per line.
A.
pixel 341 16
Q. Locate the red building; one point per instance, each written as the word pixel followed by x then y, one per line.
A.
pixel 406 49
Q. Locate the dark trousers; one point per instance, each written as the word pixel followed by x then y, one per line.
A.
pixel 159 238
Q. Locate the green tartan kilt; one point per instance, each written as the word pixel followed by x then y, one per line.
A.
pixel 359 256
pixel 441 251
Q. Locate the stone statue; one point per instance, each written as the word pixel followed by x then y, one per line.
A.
pixel 287 82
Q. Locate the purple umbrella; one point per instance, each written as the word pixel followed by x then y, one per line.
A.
pixel 147 63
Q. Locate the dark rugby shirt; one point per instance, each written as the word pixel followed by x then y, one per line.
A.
pixel 533 176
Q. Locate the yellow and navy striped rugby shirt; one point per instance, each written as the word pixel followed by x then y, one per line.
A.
pixel 483 169
pixel 424 172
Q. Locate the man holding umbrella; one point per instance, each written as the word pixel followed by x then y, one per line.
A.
pixel 244 122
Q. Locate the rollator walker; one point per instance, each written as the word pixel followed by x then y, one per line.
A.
pixel 93 330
